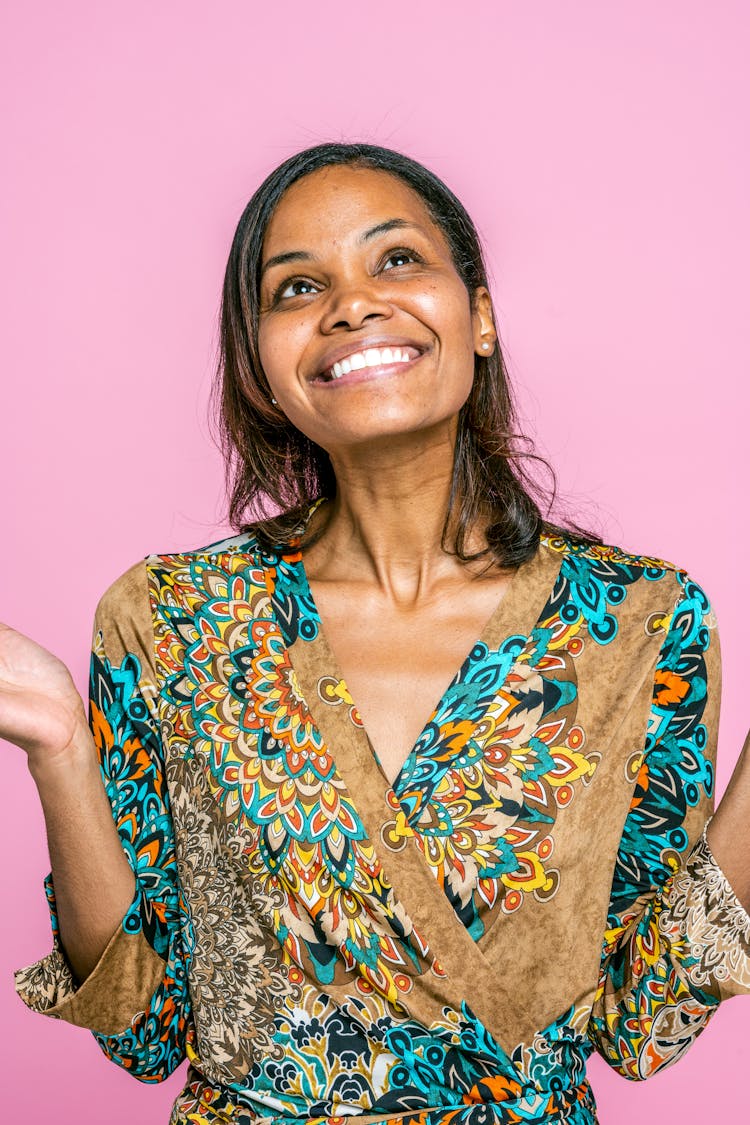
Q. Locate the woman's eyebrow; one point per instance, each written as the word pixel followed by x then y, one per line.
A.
pixel 306 256
pixel 384 227
pixel 287 256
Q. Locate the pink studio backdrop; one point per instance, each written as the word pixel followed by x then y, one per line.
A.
pixel 603 151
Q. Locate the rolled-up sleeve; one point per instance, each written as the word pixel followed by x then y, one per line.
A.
pixel 703 914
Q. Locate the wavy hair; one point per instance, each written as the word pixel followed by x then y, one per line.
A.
pixel 274 472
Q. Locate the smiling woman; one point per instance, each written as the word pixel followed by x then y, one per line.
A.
pixel 406 789
pixel 390 236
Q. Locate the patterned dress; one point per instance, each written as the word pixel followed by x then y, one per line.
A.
pixel 447 950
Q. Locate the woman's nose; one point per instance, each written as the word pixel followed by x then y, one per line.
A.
pixel 350 305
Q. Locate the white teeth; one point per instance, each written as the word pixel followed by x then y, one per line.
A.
pixel 371 357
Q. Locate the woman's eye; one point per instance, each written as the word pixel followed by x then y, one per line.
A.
pixel 399 258
pixel 298 287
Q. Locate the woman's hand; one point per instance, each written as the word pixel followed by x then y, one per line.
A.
pixel 40 709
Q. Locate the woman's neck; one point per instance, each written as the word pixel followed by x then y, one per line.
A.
pixel 385 524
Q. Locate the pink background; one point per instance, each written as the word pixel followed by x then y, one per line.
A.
pixel 603 151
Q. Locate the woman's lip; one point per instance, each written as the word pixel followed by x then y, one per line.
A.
pixel 365 374
pixel 363 345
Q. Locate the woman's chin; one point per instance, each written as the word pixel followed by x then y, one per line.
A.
pixel 389 434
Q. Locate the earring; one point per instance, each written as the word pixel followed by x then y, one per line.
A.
pixel 485 345
pixel 273 400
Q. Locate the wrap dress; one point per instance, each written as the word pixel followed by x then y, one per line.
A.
pixel 535 885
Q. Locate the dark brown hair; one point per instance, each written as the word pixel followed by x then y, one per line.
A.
pixel 274 471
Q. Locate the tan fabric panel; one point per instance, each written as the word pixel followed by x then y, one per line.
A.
pixel 117 989
pixel 124 619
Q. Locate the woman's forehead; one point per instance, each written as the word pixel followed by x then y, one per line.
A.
pixel 342 200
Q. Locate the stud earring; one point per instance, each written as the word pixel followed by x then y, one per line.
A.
pixel 273 400
pixel 485 345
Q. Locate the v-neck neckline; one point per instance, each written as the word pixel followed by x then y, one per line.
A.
pixel 498 627
pixel 420 896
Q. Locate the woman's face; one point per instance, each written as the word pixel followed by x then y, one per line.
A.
pixel 366 330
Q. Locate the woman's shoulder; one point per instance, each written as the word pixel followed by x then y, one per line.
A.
pixel 595 552
pixel 132 592
pixel 612 572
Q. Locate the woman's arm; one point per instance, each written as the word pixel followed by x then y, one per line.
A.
pixel 728 833
pixel 114 893
pixel 94 885
pixel 42 713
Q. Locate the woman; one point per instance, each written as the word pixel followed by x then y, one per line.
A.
pixel 398 908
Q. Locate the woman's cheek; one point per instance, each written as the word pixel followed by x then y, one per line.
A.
pixel 284 345
pixel 275 352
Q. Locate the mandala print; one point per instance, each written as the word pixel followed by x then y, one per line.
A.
pixel 291 972
pixel 272 777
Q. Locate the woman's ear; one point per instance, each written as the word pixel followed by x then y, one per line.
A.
pixel 483 322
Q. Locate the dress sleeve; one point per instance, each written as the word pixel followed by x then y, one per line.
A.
pixel 677 940
pixel 135 1000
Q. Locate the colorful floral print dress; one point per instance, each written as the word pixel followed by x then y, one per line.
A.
pixel 449 950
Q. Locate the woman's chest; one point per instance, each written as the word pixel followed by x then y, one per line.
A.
pixel 481 752
pixel 512 796
pixel 398 662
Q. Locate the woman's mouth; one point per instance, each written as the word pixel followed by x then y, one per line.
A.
pixel 369 363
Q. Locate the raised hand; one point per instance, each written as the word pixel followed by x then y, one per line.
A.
pixel 40 709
